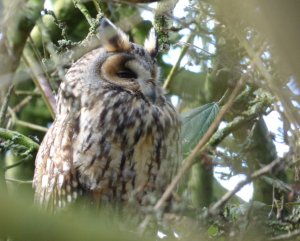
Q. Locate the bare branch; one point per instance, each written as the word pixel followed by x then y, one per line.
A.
pixel 287 236
pixel 177 64
pixel 24 92
pixel 16 164
pixel 22 103
pixel 213 210
pixel 16 121
pixel 5 105
pixel 40 81
pixel 18 181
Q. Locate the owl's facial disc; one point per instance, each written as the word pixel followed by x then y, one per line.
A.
pixel 127 72
pixel 144 78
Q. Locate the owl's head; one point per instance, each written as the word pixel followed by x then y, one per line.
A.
pixel 125 64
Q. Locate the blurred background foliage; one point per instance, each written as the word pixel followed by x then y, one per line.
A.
pixel 207 47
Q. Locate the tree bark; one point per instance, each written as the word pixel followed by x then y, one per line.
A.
pixel 19 20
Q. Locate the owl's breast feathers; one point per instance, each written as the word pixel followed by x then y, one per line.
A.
pixel 117 147
pixel 124 144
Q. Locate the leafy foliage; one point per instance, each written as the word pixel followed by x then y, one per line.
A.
pixel 195 123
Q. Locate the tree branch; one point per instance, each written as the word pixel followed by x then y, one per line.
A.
pixel 177 64
pixel 5 105
pixel 84 11
pixel 19 139
pixel 40 81
pixel 18 181
pixel 16 164
pixel 246 117
pixel 287 236
pixel 162 22
pixel 15 31
pixel 213 210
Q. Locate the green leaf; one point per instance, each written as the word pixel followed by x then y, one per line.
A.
pixel 212 231
pixel 195 124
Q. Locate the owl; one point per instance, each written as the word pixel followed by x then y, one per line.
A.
pixel 115 136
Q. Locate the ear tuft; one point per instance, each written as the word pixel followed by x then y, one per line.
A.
pixel 151 43
pixel 113 39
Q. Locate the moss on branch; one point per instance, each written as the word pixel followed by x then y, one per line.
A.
pixel 19 139
pixel 252 114
pixel 163 22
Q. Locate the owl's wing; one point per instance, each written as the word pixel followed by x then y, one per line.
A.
pixel 55 178
pixel 171 144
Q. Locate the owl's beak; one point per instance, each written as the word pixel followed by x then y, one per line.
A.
pixel 149 90
pixel 151 95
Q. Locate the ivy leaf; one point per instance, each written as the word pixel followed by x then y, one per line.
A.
pixel 195 123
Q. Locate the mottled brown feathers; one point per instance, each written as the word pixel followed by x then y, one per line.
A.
pixel 112 38
pixel 115 136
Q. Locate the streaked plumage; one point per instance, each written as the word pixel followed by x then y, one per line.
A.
pixel 115 136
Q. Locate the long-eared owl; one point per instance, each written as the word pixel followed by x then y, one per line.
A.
pixel 115 136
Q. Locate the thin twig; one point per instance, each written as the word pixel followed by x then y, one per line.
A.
pixel 40 81
pixel 24 92
pixel 84 11
pixel 18 181
pixel 30 125
pixel 97 6
pixel 177 64
pixel 57 59
pixel 22 103
pixel 2 120
pixel 16 121
pixel 193 46
pixel 278 184
pixel 38 56
pixel 223 200
pixel 16 164
pixel 286 236
pixel 5 105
